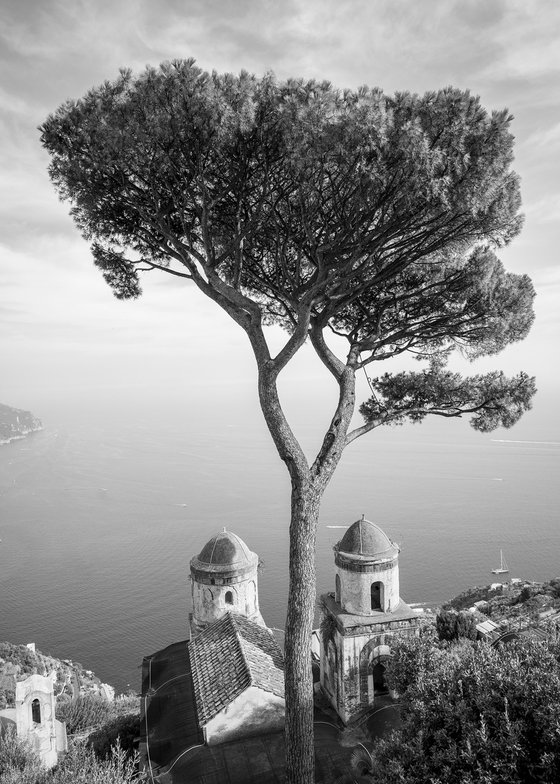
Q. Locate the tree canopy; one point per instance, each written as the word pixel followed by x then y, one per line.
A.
pixel 473 713
pixel 351 213
pixel 373 216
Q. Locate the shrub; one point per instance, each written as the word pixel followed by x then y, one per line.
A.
pixel 446 624
pixel 81 766
pixel 473 713
pixel 83 713
pixel 20 765
pixel 122 730
pixel 527 592
pixel 125 704
pixel 554 587
pixel 28 661
pixel 466 625
pixel 18 762
pixel 452 625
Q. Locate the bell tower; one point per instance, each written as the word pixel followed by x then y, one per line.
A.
pixel 361 618
pixel 224 578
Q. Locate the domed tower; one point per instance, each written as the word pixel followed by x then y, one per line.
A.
pixel 367 570
pixel 361 619
pixel 223 579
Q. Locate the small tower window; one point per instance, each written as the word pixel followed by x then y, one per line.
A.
pixel 337 588
pixel 36 711
pixel 229 597
pixel 376 598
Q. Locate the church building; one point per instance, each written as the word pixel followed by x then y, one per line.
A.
pixel 227 681
pixel 361 619
pixel 33 718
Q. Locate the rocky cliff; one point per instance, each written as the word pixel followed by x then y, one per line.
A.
pixel 16 423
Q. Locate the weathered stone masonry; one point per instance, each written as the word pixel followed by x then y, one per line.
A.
pixel 361 619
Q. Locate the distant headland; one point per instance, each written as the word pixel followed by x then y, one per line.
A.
pixel 16 423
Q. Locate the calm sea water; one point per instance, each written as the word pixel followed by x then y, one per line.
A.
pixel 101 512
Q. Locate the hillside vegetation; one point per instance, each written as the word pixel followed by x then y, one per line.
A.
pixel 515 603
pixel 102 730
pixel 72 679
pixel 472 713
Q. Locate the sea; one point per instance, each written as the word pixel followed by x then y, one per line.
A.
pixel 102 510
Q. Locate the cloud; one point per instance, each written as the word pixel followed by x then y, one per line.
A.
pixel 527 40
pixel 52 50
pixel 545 210
pixel 544 138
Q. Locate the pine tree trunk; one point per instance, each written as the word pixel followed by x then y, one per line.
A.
pixel 300 757
pixel 308 485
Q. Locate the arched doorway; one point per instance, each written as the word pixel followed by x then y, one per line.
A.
pixel 373 662
pixel 378 674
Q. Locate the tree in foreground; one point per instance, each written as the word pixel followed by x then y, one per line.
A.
pixel 371 218
pixel 472 713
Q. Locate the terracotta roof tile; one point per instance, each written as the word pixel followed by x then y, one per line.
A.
pixel 228 657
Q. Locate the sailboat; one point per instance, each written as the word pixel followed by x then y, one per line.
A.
pixel 503 567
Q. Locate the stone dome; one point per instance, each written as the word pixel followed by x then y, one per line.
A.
pixel 367 540
pixel 225 552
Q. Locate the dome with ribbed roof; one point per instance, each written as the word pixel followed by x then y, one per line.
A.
pixel 225 552
pixel 366 539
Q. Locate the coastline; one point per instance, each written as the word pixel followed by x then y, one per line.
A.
pixel 21 435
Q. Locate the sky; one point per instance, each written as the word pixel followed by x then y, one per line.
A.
pixel 61 330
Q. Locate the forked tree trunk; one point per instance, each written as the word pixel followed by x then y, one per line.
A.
pixel 308 485
pixel 301 610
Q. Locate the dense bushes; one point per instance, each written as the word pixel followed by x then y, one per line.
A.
pixel 121 730
pixel 83 713
pixel 452 625
pixel 473 713
pixel 20 765
pixel 28 661
pixel 90 711
pixel 553 588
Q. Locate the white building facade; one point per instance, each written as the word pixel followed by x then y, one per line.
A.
pixel 34 718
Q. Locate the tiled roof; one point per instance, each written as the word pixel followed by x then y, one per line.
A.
pixel 228 657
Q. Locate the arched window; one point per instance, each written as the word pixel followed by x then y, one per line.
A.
pixel 229 597
pixel 377 596
pixel 36 711
pixel 337 588
pixel 212 581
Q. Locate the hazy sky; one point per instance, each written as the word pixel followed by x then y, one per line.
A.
pixel 62 330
